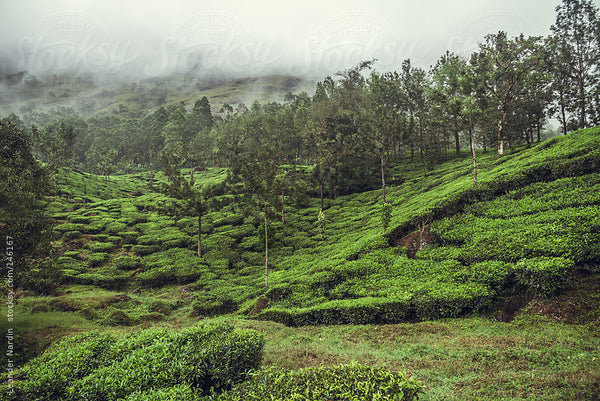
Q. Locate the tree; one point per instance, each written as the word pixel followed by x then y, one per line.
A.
pixel 256 168
pixel 446 89
pixel 502 66
pixel 385 115
pixel 197 199
pixel 24 228
pixel 577 44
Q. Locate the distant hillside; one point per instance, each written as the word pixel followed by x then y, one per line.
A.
pixel 22 93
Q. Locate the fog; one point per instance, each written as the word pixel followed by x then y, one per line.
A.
pixel 139 39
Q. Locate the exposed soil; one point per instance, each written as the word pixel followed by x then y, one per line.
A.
pixel 579 305
pixel 416 241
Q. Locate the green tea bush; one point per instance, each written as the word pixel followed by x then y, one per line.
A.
pixel 250 243
pixel 367 310
pixel 101 237
pixel 71 235
pixel 128 262
pixel 232 219
pixel 102 247
pixel 63 228
pixel 129 237
pixel 439 300
pixel 73 218
pixel 97 259
pixel 95 227
pixel 543 276
pixel 118 317
pixel 176 265
pixel 347 382
pixel 48 376
pixel 115 227
pixel 180 392
pixel 143 250
pixel 204 358
pixel 207 306
pixel 107 281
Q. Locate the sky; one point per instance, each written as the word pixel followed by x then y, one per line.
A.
pixel 311 38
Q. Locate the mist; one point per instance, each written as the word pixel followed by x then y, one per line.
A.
pixel 136 40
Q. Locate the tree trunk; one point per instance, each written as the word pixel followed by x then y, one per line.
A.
pixel 283 207
pixel 382 159
pixel 457 142
pixel 199 234
pixel 321 190
pixel 563 114
pixel 539 136
pixel 266 252
pixel 582 120
pixel 501 134
pixel 474 157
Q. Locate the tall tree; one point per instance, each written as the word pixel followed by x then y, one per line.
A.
pixel 577 35
pixel 386 115
pixel 446 76
pixel 502 65
pixel 24 228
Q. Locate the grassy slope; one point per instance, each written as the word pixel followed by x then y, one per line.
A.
pixel 353 268
pixel 87 97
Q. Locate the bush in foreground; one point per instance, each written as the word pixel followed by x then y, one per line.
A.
pixel 101 367
pixel 348 382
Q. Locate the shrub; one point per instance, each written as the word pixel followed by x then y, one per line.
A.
pixel 115 227
pixel 207 306
pixel 232 219
pixel 71 235
pixel 144 249
pixel 102 247
pixel 129 237
pixel 98 258
pixel 349 311
pixel 203 358
pixel 128 262
pixel 175 265
pixel 176 393
pixel 69 227
pixel 349 382
pixel 109 282
pixel 543 276
pixel 160 306
pixel 77 357
pixel 118 318
pixel 80 219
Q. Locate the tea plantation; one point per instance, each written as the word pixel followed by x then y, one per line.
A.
pixel 128 269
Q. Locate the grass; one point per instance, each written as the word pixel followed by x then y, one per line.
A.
pixel 531 357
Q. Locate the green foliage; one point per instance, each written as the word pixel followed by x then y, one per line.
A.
pixel 386 215
pixel 207 306
pixel 109 281
pixel 98 366
pixel 543 276
pixel 347 382
pixel 71 235
pixel 97 259
pixel 175 265
pixel 102 247
pixel 128 262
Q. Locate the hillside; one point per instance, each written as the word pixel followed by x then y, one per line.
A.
pixel 23 93
pixel 510 258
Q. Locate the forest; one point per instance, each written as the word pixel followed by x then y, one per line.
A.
pixel 396 235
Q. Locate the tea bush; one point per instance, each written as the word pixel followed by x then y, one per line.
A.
pixel 102 367
pixel 347 382
pixel 543 276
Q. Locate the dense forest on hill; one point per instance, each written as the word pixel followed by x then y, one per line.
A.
pixel 401 235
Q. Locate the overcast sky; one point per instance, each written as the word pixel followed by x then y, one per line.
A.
pixel 143 38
